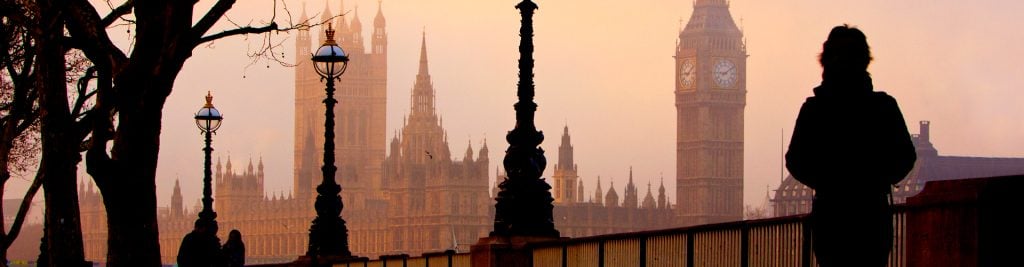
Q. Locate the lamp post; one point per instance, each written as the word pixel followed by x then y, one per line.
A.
pixel 208 120
pixel 328 236
pixel 523 205
pixel 201 246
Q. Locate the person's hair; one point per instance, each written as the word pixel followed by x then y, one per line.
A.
pixel 846 49
pixel 235 235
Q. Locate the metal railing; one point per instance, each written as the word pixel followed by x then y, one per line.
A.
pixel 437 259
pixel 783 241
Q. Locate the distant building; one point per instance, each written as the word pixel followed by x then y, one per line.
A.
pixel 792 197
pixel 25 248
pixel 711 89
pixel 11 206
pixel 415 197
pixel 276 227
pixel 604 213
pixel 433 202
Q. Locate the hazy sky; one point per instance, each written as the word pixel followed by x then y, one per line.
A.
pixel 606 68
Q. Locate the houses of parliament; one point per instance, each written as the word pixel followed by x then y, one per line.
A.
pixel 409 195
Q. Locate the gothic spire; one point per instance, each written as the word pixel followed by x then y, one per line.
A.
pixel 423 89
pixel 357 26
pixel 662 199
pixel 579 191
pixel 378 21
pixel 324 16
pixel 423 56
pixel 565 135
pixel 648 199
pixel 630 193
pixel 303 18
pixel 565 152
pixel 612 198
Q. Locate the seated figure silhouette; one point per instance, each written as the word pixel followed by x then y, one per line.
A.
pixel 850 144
pixel 234 249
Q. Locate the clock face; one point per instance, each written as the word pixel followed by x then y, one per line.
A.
pixel 687 73
pixel 725 73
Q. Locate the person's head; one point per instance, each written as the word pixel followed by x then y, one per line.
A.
pixel 202 226
pixel 199 227
pixel 235 235
pixel 845 52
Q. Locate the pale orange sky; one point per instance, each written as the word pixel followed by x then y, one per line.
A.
pixel 606 68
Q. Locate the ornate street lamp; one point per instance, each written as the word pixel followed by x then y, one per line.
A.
pixel 523 205
pixel 201 246
pixel 328 236
pixel 208 120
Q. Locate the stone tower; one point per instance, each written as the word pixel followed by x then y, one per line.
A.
pixel 177 210
pixel 710 98
pixel 435 202
pixel 360 121
pixel 565 176
pixel 630 198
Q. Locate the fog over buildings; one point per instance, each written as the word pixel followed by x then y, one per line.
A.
pixel 606 69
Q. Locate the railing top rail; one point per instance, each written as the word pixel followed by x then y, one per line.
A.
pixel 735 225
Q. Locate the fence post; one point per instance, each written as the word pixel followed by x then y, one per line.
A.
pixel 689 249
pixel 745 245
pixel 565 255
pixel 600 254
pixel 805 249
pixel 450 253
pixel 643 251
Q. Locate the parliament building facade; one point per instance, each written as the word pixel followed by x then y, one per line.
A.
pixel 409 194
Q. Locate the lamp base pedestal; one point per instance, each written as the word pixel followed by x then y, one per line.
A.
pixel 504 251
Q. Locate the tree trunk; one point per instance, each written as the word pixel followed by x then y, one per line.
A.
pixel 133 231
pixel 60 155
pixel 129 182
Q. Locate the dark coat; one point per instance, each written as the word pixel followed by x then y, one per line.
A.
pixel 234 250
pixel 200 250
pixel 851 145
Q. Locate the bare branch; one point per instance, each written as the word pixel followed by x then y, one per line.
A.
pixel 83 87
pixel 243 30
pixel 211 17
pixel 118 12
pixel 85 26
pixel 267 51
pixel 99 165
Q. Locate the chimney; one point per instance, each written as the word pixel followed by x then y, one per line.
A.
pixel 924 131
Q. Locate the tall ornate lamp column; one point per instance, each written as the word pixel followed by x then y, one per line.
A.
pixel 328 236
pixel 201 246
pixel 208 120
pixel 523 209
pixel 524 202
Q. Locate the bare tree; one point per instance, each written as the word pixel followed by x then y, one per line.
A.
pixel 756 212
pixel 132 89
pixel 123 124
pixel 19 113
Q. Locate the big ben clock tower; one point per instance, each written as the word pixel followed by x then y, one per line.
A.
pixel 710 89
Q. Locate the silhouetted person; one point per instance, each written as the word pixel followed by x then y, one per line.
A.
pixel 201 247
pixel 234 249
pixel 850 145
